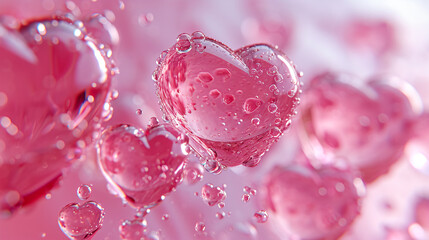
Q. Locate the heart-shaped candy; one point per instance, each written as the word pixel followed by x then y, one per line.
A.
pixel 81 221
pixel 365 124
pixel 54 86
pixel 143 166
pixel 235 104
pixel 313 204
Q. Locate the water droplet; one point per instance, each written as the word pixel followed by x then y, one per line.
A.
pixel 251 105
pixel 153 121
pixel 193 173
pixel 275 132
pixel 292 91
pixel 165 217
pixel 198 36
pixel 245 198
pixel 272 108
pixel 212 195
pixel 84 192
pixel 255 121
pixel 214 93
pixel 221 205
pixel 205 77
pixel 223 72
pixel 246 189
pixel 228 98
pixel 272 71
pixel 278 78
pixel 183 43
pixel 261 216
pixel 253 192
pixel 200 227
pixel 139 111
pixel 212 166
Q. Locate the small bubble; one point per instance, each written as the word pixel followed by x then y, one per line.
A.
pixel 275 132
pixel 153 121
pixel 41 29
pixel 251 105
pixel 228 98
pixel 165 217
pixel 278 78
pixel 253 192
pixel 255 121
pixel 300 74
pixel 205 77
pixel 198 36
pixel 214 93
pixel 246 189
pixel 292 91
pixel 133 229
pixel 200 227
pixel 272 71
pixel 183 43
pixel 139 111
pixel 84 192
pixel 245 198
pixel 212 195
pixel 272 108
pixel 261 216
pixel 221 205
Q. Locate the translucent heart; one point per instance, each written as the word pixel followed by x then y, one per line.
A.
pixel 213 94
pixel 313 204
pixel 54 87
pixel 81 221
pixel 142 166
pixel 366 124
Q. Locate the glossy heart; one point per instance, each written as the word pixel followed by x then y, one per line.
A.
pixel 313 204
pixel 235 104
pixel 366 125
pixel 81 221
pixel 54 85
pixel 143 166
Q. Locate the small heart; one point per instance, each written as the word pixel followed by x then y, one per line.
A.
pixel 81 221
pixel 365 124
pixel 313 204
pixel 143 166
pixel 212 195
pixel 235 104
pixel 55 83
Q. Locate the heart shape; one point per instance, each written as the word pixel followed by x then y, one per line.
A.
pixel 313 204
pixel 142 166
pixel 81 221
pixel 212 195
pixel 365 124
pixel 55 85
pixel 234 104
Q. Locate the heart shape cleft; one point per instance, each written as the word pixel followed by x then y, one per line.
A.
pixel 233 104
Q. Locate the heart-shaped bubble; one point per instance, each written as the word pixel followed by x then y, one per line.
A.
pixel 212 195
pixel 366 125
pixel 313 204
pixel 143 166
pixel 54 87
pixel 235 104
pixel 81 221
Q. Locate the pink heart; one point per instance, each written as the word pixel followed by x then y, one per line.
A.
pixel 54 85
pixel 235 104
pixel 313 204
pixel 142 166
pixel 365 124
pixel 81 221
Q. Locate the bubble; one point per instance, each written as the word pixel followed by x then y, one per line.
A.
pixel 205 77
pixel 275 132
pixel 193 173
pixel 212 195
pixel 228 98
pixel 261 216
pixel 133 229
pixel 251 105
pixel 84 192
pixel 255 121
pixel 221 205
pixel 198 36
pixel 213 166
pixel 272 108
pixel 253 192
pixel 214 93
pixel 245 198
pixel 246 189
pixel 200 227
pixel 153 121
pixel 272 71
pixel 278 78
pixel 183 43
pixel 292 91
pixel 139 112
